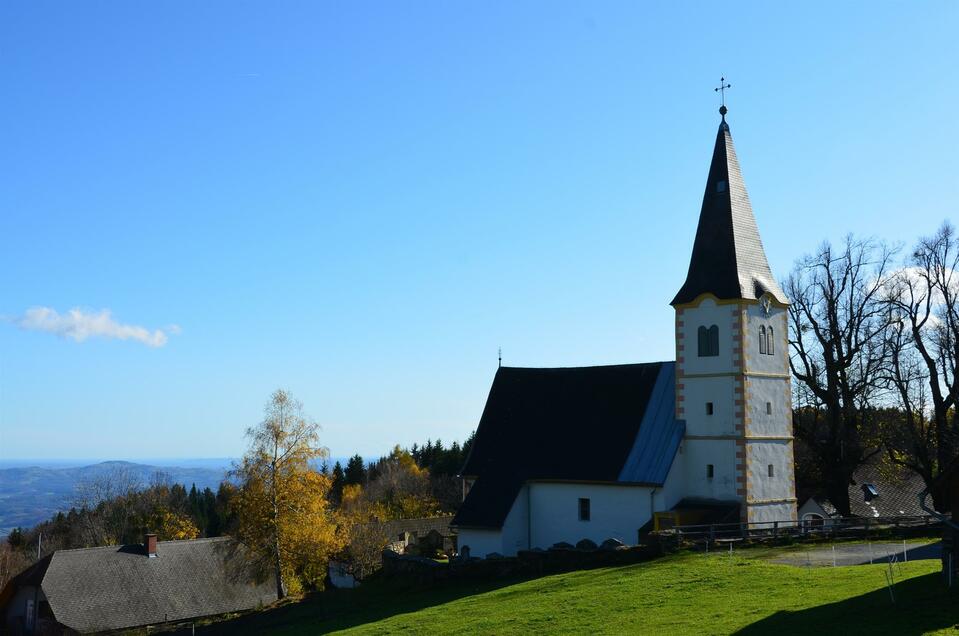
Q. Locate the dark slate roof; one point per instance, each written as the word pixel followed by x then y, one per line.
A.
pixel 728 259
pixel 597 424
pixel 98 589
pixel 898 493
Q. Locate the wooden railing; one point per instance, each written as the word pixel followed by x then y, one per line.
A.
pixel 835 526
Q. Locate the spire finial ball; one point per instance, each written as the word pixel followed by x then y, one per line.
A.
pixel 723 110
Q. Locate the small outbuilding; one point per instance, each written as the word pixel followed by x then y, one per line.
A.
pixel 110 588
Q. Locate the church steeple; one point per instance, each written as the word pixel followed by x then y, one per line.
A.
pixel 728 259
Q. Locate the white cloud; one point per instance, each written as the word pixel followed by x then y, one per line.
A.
pixel 80 324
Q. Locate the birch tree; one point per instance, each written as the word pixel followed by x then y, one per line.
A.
pixel 282 507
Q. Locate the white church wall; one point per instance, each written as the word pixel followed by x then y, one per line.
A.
pixel 515 528
pixel 768 408
pixel 615 512
pixel 767 513
pixel 697 455
pixel 674 488
pixel 507 540
pixel 706 314
pixel 760 456
pixel 480 542
pixel 759 362
pixel 718 391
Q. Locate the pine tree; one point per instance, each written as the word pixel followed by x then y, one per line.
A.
pixel 211 526
pixel 336 489
pixel 355 473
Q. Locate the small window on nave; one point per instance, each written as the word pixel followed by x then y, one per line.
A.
pixel 584 509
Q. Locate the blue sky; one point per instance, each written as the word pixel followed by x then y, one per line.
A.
pixel 361 201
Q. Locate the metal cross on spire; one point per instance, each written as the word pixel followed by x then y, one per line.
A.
pixel 721 89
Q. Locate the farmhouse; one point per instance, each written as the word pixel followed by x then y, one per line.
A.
pixel 120 587
pixel 567 454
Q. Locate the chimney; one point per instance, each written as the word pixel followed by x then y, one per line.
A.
pixel 150 543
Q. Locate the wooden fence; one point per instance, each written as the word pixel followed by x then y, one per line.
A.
pixel 835 526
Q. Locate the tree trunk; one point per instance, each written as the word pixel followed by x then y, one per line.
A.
pixel 838 492
pixel 277 557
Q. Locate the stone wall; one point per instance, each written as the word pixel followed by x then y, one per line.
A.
pixel 527 563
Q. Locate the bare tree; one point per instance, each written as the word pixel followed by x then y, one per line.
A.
pixel 923 333
pixel 837 325
pixel 363 554
pixel 110 500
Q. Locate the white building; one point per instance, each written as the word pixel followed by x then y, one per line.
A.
pixel 595 453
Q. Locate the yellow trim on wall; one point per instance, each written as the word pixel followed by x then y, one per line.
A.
pixel 695 302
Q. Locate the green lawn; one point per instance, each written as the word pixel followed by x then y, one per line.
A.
pixel 682 594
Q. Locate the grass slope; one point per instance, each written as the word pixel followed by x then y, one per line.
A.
pixel 683 594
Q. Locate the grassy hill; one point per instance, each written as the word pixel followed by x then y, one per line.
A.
pixel 682 594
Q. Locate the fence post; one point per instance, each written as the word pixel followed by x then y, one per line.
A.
pixel 743 528
pixel 775 528
pixel 712 533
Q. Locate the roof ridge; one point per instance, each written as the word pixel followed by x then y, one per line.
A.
pixel 115 546
pixel 594 366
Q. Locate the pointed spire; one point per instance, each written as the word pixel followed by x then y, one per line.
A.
pixel 728 259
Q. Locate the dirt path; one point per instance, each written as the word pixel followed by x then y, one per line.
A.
pixel 857 554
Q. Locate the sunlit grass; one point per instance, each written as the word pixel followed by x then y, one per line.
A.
pixel 689 593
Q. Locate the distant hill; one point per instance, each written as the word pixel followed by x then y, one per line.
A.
pixel 31 494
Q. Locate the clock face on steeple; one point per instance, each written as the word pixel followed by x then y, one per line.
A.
pixel 767 304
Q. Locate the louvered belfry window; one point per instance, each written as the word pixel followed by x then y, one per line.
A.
pixel 766 341
pixel 708 341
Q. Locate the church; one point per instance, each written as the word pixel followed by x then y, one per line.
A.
pixel 606 452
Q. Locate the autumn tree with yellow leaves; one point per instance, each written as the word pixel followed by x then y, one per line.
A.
pixel 282 506
pixel 402 487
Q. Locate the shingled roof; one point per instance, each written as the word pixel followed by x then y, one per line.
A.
pixel 728 259
pixel 116 587
pixel 879 491
pixel 595 424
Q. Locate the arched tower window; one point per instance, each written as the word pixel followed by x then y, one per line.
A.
pixel 769 341
pixel 708 341
pixel 762 339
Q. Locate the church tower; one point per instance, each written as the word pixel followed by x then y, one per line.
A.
pixel 732 369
